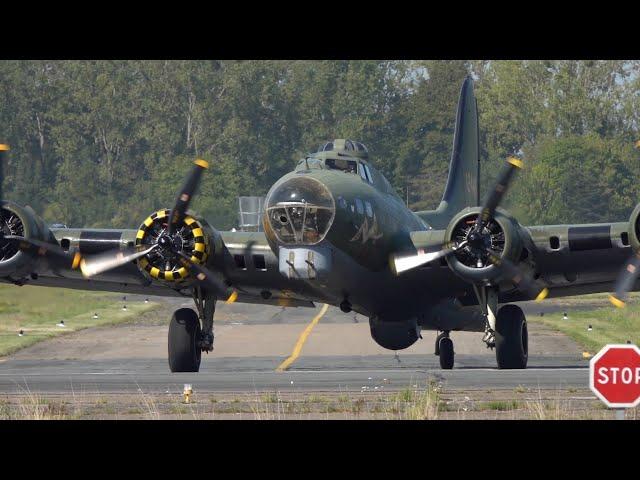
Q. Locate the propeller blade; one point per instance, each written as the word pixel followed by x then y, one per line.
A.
pixel 50 250
pixel 498 192
pixel 626 280
pixel 206 278
pixel 102 262
pixel 3 155
pixel 521 279
pixel 403 263
pixel 186 194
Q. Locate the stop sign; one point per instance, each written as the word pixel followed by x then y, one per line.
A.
pixel 614 375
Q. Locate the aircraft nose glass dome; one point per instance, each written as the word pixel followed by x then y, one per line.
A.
pixel 300 211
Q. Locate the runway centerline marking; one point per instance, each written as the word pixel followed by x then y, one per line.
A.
pixel 303 338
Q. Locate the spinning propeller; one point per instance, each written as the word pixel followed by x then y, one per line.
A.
pixel 168 243
pixel 477 242
pixel 629 274
pixel 56 256
pixel 626 280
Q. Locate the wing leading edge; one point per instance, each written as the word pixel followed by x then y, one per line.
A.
pixel 243 259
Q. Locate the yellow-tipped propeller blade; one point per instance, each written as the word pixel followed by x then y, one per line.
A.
pixel 617 302
pixel 232 298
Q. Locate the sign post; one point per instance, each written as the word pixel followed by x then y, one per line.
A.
pixel 614 376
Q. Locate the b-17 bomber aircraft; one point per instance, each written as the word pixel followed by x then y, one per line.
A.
pixel 336 232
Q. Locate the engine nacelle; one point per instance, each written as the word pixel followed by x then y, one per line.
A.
pixel 394 335
pixel 501 236
pixel 22 221
pixel 194 238
pixel 634 229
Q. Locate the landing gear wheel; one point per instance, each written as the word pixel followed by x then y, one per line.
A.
pixel 184 338
pixel 438 338
pixel 512 338
pixel 445 346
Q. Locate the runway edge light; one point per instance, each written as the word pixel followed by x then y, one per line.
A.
pixel 187 392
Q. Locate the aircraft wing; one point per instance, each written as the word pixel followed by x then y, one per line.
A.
pixel 484 245
pixel 171 253
pixel 577 259
pixel 569 260
pixel 243 259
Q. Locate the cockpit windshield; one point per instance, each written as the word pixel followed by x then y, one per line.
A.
pixel 349 166
pixel 300 211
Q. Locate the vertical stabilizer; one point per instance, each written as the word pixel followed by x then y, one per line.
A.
pixel 462 189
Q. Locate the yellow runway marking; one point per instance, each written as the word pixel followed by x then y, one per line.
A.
pixel 303 338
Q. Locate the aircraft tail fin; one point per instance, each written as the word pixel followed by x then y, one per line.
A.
pixel 463 185
pixel 462 188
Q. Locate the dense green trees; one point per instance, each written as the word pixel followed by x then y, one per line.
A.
pixel 104 143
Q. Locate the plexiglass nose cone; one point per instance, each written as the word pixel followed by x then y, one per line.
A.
pixel 300 211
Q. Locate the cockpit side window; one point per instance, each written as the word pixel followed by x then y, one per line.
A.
pixel 309 163
pixel 349 166
pixel 366 168
pixel 363 172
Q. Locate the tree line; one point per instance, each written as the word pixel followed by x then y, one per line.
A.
pixel 105 143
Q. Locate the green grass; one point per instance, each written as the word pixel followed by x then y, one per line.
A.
pixel 610 324
pixel 317 399
pixel 37 310
pixel 500 405
pixel 270 398
pixel 179 409
pixel 405 395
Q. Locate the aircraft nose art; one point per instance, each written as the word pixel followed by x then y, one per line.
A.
pixel 300 211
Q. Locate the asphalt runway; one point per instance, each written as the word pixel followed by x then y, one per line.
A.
pixel 252 341
pixel 313 374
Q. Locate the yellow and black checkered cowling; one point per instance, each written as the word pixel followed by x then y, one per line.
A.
pixel 199 253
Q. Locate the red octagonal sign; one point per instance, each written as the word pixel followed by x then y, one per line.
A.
pixel 614 375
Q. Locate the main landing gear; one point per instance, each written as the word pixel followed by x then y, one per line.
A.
pixel 506 332
pixel 191 333
pixel 184 335
pixel 512 338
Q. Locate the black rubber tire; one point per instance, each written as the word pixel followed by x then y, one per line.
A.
pixel 438 338
pixel 512 338
pixel 447 355
pixel 184 336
